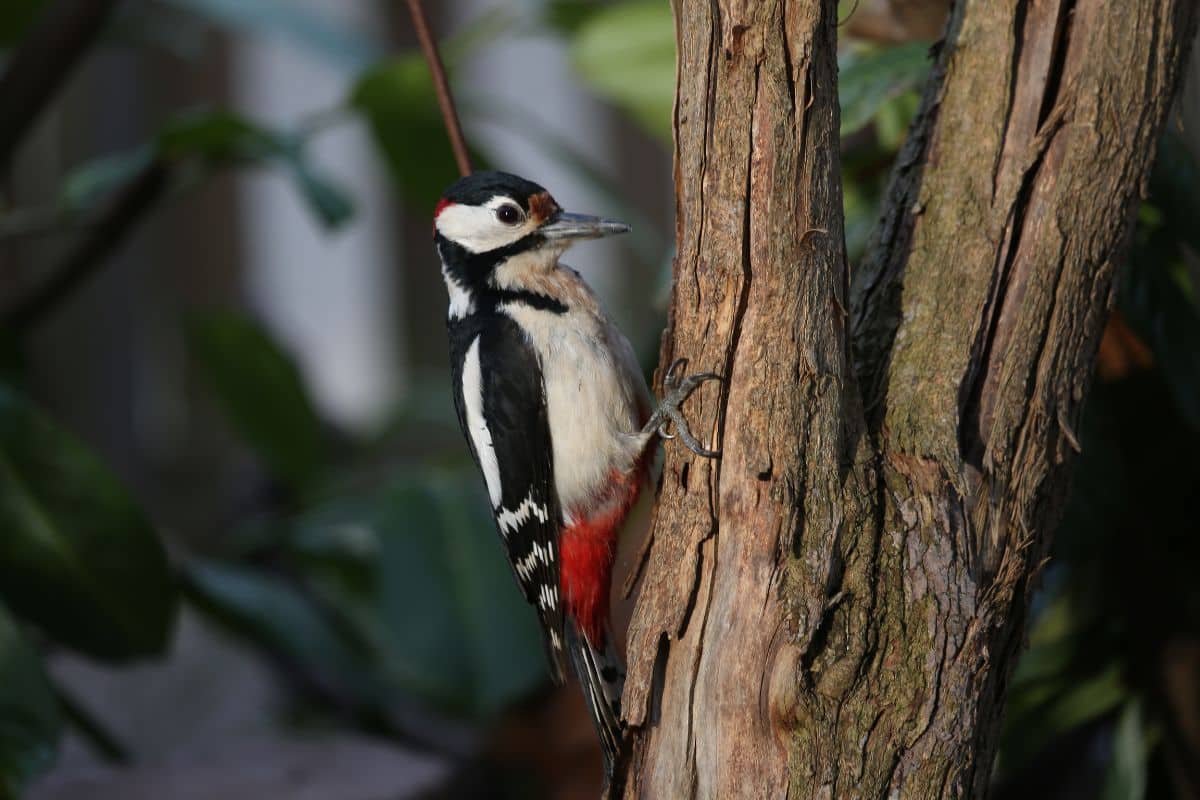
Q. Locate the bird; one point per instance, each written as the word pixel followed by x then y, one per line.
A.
pixel 556 414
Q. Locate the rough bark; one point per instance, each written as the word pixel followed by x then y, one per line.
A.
pixel 833 608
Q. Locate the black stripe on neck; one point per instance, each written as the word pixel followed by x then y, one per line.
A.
pixel 541 302
pixel 472 269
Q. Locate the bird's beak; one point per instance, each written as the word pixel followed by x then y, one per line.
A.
pixel 565 225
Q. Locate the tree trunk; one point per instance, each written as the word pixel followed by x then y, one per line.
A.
pixel 832 610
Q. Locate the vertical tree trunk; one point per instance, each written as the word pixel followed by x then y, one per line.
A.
pixel 832 609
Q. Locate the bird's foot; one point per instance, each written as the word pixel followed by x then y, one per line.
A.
pixel 676 390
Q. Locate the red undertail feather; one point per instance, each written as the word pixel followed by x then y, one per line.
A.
pixel 586 551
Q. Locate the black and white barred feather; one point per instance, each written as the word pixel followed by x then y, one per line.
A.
pixel 501 406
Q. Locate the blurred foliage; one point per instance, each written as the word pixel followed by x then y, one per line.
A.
pixel 261 392
pixel 626 52
pixel 1121 588
pixel 398 100
pixel 78 558
pixel 398 587
pixel 870 77
pixel 293 21
pixel 396 591
pixel 202 142
pixel 374 580
pixel 29 716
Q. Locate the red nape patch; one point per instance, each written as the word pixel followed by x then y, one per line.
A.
pixel 441 206
pixel 586 551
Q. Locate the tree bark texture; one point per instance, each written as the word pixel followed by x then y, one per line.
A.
pixel 833 608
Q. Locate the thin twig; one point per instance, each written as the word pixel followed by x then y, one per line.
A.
pixel 104 742
pixel 445 100
pixel 96 244
pixel 46 56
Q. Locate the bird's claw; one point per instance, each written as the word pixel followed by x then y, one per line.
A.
pixel 676 391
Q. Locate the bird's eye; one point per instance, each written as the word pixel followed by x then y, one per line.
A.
pixel 508 214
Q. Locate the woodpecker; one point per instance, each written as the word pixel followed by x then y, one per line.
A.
pixel 555 412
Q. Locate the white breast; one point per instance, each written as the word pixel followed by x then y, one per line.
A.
pixel 593 393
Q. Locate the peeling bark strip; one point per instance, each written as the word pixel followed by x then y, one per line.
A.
pixel 832 609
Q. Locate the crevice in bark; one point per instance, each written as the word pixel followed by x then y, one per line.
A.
pixel 690 741
pixel 1014 70
pixel 656 684
pixel 694 594
pixel 999 314
pixel 1062 39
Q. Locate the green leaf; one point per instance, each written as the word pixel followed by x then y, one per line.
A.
pixel 261 391
pixel 405 591
pixel 219 136
pixel 431 592
pixel 85 185
pixel 223 138
pixel 1045 712
pixel 626 53
pixel 895 117
pixel 1126 774
pixel 869 78
pixel 322 34
pixel 216 139
pixel 568 16
pixel 327 201
pixel 30 724
pixel 77 556
pixel 399 103
pixel 270 611
pixel 1059 684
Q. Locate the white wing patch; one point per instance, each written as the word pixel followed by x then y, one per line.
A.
pixel 481 437
pixel 511 520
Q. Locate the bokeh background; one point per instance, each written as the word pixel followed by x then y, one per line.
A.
pixel 243 552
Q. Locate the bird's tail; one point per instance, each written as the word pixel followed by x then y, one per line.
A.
pixel 601 675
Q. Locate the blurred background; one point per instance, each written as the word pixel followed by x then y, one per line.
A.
pixel 243 552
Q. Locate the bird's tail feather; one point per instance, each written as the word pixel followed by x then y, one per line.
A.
pixel 554 646
pixel 601 675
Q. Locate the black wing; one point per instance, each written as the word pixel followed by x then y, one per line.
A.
pixel 508 431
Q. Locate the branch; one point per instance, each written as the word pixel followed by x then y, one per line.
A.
pixel 441 86
pixel 98 242
pixel 48 54
pixel 91 729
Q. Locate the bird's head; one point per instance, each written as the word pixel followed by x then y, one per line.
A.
pixel 501 214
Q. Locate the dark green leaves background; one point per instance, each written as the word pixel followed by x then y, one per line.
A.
pixel 78 558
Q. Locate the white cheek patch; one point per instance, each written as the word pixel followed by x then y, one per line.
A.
pixel 476 227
